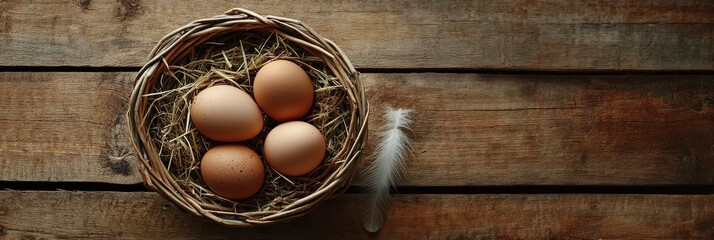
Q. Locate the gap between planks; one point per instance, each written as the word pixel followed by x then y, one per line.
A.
pixel 401 190
pixel 489 71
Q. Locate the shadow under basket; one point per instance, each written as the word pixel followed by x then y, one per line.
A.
pixel 229 49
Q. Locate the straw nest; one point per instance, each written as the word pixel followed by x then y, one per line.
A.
pixel 229 49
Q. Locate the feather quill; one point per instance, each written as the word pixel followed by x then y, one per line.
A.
pixel 388 167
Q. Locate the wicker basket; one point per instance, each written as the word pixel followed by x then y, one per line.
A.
pixel 176 44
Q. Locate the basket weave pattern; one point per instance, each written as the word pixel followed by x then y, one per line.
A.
pixel 176 45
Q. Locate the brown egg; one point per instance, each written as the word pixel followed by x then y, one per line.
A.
pixel 294 148
pixel 233 171
pixel 226 114
pixel 283 90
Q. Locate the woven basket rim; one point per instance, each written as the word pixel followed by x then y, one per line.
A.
pixel 178 42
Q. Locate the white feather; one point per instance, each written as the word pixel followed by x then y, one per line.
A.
pixel 388 167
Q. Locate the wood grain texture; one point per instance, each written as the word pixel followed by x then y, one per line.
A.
pixel 470 130
pixel 554 130
pixel 513 34
pixel 110 215
pixel 65 127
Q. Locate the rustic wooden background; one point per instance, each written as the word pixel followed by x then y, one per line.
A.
pixel 551 119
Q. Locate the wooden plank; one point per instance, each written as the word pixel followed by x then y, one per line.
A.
pixel 65 127
pixel 554 130
pixel 513 34
pixel 470 129
pixel 109 215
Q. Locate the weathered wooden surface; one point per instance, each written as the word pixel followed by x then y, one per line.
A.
pixel 513 34
pixel 65 127
pixel 509 132
pixel 555 130
pixel 111 215
pixel 470 129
